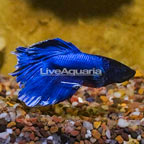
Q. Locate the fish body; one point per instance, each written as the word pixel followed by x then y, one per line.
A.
pixel 53 70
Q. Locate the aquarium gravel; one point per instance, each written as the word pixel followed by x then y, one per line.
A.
pixel 107 115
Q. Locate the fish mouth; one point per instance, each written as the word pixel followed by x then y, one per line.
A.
pixel 132 73
pixel 128 75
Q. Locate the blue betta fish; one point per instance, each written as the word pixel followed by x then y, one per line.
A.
pixel 52 71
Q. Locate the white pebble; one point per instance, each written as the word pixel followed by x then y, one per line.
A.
pixel 16 105
pixel 142 119
pixel 117 94
pixel 27 116
pixel 129 86
pixel 20 112
pixel 111 99
pixel 135 113
pixel 93 140
pixel 3 115
pixel 118 84
pixel 129 136
pixel 108 134
pixel 134 123
pixel 10 131
pixel 124 142
pixel 72 123
pixel 8 140
pixel 74 104
pixel 126 98
pixel 8 93
pixel 123 123
pixel 88 134
pixel 87 125
pixel 80 100
pixel 2 104
pixel 137 110
pixel 139 138
pixel 50 138
pixel 12 116
pixel 44 142
pixel 4 135
pixel 21 134
pixel 16 93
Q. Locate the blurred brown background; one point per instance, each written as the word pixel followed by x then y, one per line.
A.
pixel 113 28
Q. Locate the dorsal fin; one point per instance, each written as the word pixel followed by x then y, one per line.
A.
pixel 57 42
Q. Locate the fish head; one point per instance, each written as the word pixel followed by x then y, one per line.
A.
pixel 116 72
pixel 111 71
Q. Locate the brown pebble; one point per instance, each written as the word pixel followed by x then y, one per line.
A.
pixel 32 136
pixel 57 119
pixel 3 125
pixel 104 138
pixel 114 134
pixel 51 123
pixel 74 133
pixel 96 134
pixel 36 139
pixel 87 142
pixel 12 138
pixel 38 142
pixel 19 123
pixel 78 123
pixel 86 118
pixel 40 125
pixel 83 132
pixel 142 134
pixel 81 142
pixel 63 130
pixel 54 129
pixel 33 120
pixel 78 128
pixel 78 137
pixel 17 131
pixel 38 133
pixel 49 142
pixel 32 142
pixel 44 133
pixel 22 142
pixel 101 141
pixel 125 136
pixel 13 128
pixel 46 128
pixel 111 123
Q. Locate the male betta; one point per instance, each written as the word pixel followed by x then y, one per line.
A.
pixel 40 86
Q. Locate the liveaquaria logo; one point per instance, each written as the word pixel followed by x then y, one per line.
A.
pixel 70 72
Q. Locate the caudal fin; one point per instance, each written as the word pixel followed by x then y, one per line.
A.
pixel 36 88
